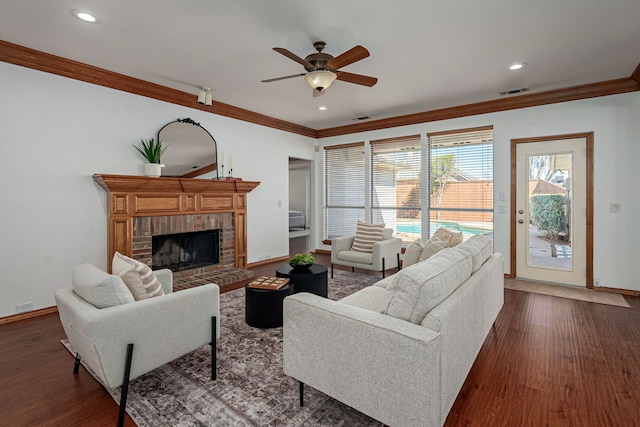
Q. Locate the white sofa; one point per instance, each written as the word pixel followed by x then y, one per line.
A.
pixel 396 371
pixel 126 338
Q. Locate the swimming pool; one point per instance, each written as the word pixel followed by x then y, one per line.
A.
pixel 416 228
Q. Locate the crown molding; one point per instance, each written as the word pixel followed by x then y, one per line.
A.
pixel 636 74
pixel 41 61
pixel 610 87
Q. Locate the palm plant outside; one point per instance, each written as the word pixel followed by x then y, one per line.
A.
pixel 443 169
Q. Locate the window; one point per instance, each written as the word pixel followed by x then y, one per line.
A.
pixel 461 181
pixel 395 185
pixel 344 189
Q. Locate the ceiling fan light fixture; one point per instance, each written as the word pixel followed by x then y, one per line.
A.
pixel 321 79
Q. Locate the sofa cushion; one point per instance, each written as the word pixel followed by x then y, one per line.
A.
pixel 416 290
pixel 369 298
pixel 480 248
pixel 412 253
pixel 383 283
pixel 138 277
pixel 453 237
pixel 99 288
pixel 366 236
pixel 432 247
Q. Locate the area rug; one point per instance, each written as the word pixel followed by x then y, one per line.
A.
pixel 571 292
pixel 251 389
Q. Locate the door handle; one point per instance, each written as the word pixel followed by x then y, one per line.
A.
pixel 520 211
pixel 520 221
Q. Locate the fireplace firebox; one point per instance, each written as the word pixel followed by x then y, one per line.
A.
pixel 186 251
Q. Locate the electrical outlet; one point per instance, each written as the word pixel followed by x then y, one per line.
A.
pixel 596 281
pixel 27 306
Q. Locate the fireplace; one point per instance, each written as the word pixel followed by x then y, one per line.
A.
pixel 160 242
pixel 140 208
pixel 185 251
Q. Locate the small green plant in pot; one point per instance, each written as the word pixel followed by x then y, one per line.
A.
pixel 152 151
pixel 301 261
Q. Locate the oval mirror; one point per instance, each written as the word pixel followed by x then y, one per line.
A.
pixel 191 151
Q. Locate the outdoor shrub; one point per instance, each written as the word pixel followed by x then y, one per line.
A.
pixel 548 214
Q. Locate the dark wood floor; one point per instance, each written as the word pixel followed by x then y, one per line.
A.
pixel 548 362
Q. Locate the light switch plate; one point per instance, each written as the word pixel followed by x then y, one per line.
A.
pixel 614 207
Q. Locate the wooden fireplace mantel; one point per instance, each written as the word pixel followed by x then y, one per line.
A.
pixel 140 196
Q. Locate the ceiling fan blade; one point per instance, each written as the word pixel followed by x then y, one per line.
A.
pixel 349 57
pixel 358 79
pixel 282 78
pixel 293 56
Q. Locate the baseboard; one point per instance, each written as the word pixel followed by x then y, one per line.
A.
pixel 267 261
pixel 28 315
pixel 617 291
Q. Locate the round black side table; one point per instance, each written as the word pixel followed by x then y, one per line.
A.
pixel 313 279
pixel 263 307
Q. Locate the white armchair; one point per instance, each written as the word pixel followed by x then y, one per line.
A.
pixel 122 342
pixel 385 254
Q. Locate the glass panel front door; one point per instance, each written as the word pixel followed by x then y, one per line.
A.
pixel 549 207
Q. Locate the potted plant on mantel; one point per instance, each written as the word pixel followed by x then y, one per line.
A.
pixel 152 151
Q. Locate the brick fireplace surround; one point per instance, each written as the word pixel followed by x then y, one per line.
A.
pixel 144 228
pixel 142 207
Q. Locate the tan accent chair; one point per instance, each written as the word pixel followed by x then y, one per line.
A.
pixel 385 255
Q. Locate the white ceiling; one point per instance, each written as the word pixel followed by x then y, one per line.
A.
pixel 427 54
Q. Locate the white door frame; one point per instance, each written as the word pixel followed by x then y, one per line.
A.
pixel 589 217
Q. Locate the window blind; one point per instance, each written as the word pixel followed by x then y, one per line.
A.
pixel 344 189
pixel 461 180
pixel 395 185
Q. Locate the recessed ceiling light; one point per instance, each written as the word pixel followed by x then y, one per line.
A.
pixel 517 66
pixel 85 16
pixel 322 108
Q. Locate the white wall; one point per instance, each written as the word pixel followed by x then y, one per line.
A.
pixel 56 133
pixel 615 121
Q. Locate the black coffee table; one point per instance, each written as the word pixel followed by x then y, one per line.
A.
pixel 313 279
pixel 263 307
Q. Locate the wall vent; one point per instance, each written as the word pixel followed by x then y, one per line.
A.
pixel 514 91
pixel 357 119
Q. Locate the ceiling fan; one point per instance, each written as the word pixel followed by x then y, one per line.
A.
pixel 323 68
